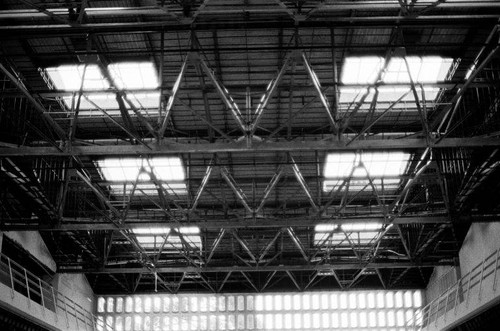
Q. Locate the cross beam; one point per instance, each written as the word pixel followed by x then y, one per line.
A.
pixel 282 146
pixel 269 268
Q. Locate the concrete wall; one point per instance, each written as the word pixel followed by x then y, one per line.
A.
pixel 77 288
pixel 481 240
pixel 33 243
pixel 441 279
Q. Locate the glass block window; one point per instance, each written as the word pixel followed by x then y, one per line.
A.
pixel 377 310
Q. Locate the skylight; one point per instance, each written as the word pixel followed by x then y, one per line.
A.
pixel 359 234
pixel 384 168
pixel 365 70
pixel 169 171
pixel 69 77
pixel 134 76
pixel 127 169
pixel 153 239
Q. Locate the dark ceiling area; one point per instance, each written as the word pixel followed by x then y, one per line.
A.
pixel 249 145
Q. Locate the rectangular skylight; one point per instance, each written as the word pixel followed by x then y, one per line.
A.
pixel 107 101
pixel 364 71
pixel 127 169
pixel 169 171
pixel 361 70
pixel 361 226
pixel 142 189
pixel 69 77
pixel 152 239
pixel 378 164
pixel 383 168
pixel 134 75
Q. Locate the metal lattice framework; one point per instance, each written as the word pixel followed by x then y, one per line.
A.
pixel 249 98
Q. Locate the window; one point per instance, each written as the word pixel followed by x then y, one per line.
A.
pixel 353 171
pixel 136 76
pixel 366 70
pixel 168 172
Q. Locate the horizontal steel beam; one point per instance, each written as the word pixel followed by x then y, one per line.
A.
pixel 24 30
pixel 269 268
pixel 85 224
pixel 282 146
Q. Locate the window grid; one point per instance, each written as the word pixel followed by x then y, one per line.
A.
pixel 355 310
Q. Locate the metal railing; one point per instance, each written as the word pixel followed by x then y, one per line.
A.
pixel 23 282
pixel 461 292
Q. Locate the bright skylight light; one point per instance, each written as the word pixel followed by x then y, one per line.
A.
pixel 127 169
pixel 152 239
pixel 325 227
pixel 168 170
pixel 361 226
pixel 69 77
pixel 364 71
pixel 361 70
pixel 378 164
pixel 383 168
pixel 134 75
pixel 108 101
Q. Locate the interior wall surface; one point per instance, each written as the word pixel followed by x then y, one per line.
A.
pixel 34 244
pixel 481 240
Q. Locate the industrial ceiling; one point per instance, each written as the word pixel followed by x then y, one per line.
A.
pixel 185 145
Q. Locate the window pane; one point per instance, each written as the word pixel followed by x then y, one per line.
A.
pixel 278 321
pixel 316 320
pixel 398 299
pixel 297 321
pixel 222 303
pixel 315 301
pixel 250 301
pixel 111 305
pixel 230 303
pixel 241 303
pixel 100 304
pixel 156 304
pixel 259 303
pixel 166 304
pixel 277 302
pixel 175 304
pixel 138 304
pixel 147 304
pixel 119 305
pixel 203 304
pixel 250 322
pixel 306 321
pixel 296 302
pixel 193 304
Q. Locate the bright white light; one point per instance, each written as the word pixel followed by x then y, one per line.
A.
pixel 134 75
pixel 127 169
pixel 325 227
pixel 361 70
pixel 386 96
pixel 361 226
pixel 153 238
pixel 151 231
pixel 377 164
pixel 364 71
pixel 381 184
pixel 69 77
